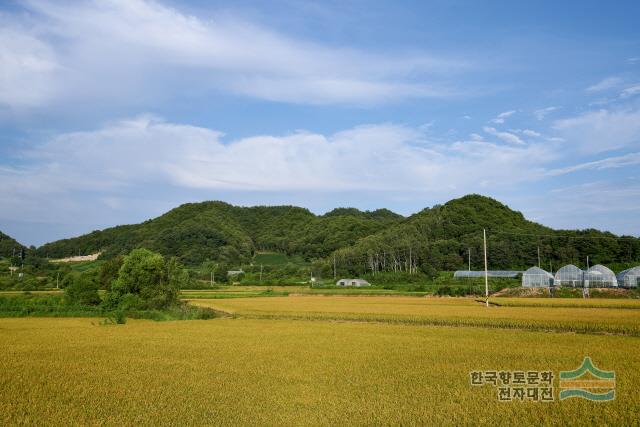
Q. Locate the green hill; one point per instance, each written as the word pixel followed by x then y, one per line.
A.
pixel 440 238
pixel 7 246
pixel 196 232
pixel 436 238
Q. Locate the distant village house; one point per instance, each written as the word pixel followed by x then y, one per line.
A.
pixel 353 282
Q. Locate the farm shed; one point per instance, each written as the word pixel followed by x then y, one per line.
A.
pixel 629 278
pixel 234 272
pixel 505 274
pixel 535 277
pixel 569 275
pixel 600 276
pixel 353 282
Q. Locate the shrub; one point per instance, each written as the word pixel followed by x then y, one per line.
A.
pixel 81 290
pixel 146 281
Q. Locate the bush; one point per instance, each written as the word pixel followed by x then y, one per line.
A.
pixel 81 290
pixel 146 281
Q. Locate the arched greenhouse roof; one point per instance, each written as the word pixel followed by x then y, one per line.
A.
pixel 629 278
pixel 600 276
pixel 536 277
pixel 569 275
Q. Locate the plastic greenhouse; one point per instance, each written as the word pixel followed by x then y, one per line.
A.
pixel 629 278
pixel 569 275
pixel 535 277
pixel 600 276
pixel 505 274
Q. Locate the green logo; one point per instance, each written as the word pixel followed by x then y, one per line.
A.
pixel 588 382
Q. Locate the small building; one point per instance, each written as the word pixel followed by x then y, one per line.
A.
pixel 358 283
pixel 600 276
pixel 535 277
pixel 234 272
pixel 629 278
pixel 505 274
pixel 570 276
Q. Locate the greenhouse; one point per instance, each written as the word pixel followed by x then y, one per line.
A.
pixel 569 275
pixel 600 276
pixel 629 278
pixel 535 277
pixel 505 274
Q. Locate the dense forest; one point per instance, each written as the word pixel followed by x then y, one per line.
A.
pixel 435 239
pixel 9 246
pixel 442 237
pixel 197 232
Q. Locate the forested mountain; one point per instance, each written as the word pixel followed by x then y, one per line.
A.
pixel 437 238
pixel 440 238
pixel 196 232
pixel 7 246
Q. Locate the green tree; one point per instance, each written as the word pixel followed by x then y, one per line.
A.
pixel 80 289
pixel 109 272
pixel 147 281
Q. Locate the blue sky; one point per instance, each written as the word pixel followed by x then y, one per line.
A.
pixel 116 111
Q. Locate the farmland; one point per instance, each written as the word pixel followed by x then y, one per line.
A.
pixel 291 372
pixel 439 311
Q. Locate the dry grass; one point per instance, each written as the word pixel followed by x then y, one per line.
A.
pixel 259 372
pixel 434 311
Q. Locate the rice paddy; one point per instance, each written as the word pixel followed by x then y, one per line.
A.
pixel 314 360
pixel 436 311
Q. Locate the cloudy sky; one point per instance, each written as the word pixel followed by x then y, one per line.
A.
pixel 115 111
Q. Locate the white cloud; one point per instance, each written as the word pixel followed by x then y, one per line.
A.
pixel 605 84
pixel 531 133
pixel 630 159
pixel 630 91
pixel 27 68
pixel 476 137
pixel 602 130
pixel 124 49
pixel 500 118
pixel 150 153
pixel 504 136
pixel 541 113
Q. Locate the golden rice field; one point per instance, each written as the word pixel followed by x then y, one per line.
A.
pixel 436 311
pixel 291 372
pixel 266 365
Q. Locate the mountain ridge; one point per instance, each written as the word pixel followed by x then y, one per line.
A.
pixel 439 237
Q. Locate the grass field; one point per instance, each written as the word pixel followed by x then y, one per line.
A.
pixel 289 372
pixel 275 258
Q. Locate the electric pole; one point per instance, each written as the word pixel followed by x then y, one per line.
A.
pixel 538 256
pixel 260 273
pixel 486 268
pixel 334 267
pixel 469 259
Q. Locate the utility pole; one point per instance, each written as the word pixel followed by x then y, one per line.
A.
pixel 212 278
pixel 58 280
pixel 260 273
pixel 486 267
pixel 587 262
pixel 334 267
pixel 538 256
pixel 469 259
